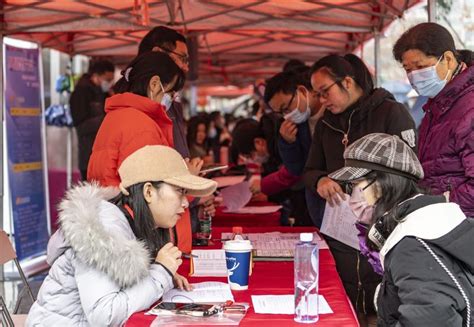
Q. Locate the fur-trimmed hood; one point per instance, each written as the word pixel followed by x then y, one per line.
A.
pixel 100 235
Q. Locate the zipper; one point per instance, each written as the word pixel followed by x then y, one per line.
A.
pixel 345 138
pixel 359 286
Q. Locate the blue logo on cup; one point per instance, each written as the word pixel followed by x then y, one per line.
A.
pixel 238 264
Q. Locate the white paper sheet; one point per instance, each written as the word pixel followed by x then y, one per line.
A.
pixel 283 304
pixel 223 181
pixel 276 244
pixel 255 210
pixel 236 196
pixel 209 263
pixel 339 223
pixel 206 292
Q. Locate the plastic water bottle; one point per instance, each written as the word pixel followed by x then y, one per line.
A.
pixel 306 279
pixel 237 233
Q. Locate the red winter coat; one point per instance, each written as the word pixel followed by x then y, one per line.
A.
pixel 446 141
pixel 131 122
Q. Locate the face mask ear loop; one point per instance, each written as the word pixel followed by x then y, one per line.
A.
pixel 449 70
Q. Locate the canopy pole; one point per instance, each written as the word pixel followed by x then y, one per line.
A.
pixel 2 159
pixel 432 11
pixel 193 103
pixel 377 58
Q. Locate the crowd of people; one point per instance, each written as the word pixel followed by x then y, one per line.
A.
pixel 320 135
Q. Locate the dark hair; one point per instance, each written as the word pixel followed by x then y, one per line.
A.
pixel 286 82
pixel 160 36
pixel 294 64
pixel 100 67
pixel 142 222
pixel 338 67
pixel 193 126
pixel 270 126
pixel 432 39
pixel 243 136
pixel 137 75
pixel 394 189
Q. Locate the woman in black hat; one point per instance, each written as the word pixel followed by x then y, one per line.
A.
pixel 425 243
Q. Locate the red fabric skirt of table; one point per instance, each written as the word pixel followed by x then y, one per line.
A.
pixel 272 278
pixel 227 219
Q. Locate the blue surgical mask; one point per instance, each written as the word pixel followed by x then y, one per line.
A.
pixel 426 81
pixel 167 99
pixel 296 116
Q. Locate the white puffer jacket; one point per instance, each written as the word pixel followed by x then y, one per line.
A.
pixel 100 272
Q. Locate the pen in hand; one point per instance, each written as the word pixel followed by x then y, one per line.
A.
pixel 189 256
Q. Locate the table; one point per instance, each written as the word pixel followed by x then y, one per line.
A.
pixel 225 219
pixel 277 278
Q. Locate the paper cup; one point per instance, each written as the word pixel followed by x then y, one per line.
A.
pixel 237 255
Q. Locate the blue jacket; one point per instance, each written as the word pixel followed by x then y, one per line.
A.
pixel 294 154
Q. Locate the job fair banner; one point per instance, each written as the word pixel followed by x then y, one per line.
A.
pixel 23 119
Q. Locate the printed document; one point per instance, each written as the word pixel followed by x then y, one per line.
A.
pixel 339 223
pixel 206 292
pixel 236 196
pixel 209 263
pixel 284 304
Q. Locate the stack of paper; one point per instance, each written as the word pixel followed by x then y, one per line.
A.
pixel 207 292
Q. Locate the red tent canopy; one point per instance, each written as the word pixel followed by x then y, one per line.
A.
pixel 239 40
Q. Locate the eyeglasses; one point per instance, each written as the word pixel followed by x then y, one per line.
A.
pixel 184 58
pixel 287 109
pixel 324 93
pixel 350 186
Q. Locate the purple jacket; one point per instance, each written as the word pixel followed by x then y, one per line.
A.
pixel 446 141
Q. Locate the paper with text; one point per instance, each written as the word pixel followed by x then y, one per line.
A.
pixel 284 304
pixel 339 223
pixel 276 244
pixel 206 292
pixel 236 196
pixel 209 263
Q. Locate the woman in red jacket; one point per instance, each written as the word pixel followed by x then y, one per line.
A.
pixel 136 116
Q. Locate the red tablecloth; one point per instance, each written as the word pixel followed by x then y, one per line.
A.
pixel 223 219
pixel 277 278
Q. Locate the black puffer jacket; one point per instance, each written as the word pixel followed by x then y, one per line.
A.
pixel 416 290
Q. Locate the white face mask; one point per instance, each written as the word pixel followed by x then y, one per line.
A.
pixel 296 116
pixel 167 99
pixel 105 86
pixel 426 81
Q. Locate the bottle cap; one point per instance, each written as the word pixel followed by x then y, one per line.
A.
pixel 306 237
pixel 237 230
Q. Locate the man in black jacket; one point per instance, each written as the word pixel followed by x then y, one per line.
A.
pixel 87 107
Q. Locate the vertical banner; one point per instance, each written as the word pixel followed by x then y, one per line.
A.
pixel 23 118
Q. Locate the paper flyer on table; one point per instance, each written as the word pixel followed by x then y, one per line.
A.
pixel 236 196
pixel 208 263
pixel 285 304
pixel 206 292
pixel 339 223
pixel 255 210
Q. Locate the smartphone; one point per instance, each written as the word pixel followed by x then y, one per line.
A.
pixel 190 309
pixel 213 168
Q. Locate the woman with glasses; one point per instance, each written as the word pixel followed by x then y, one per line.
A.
pixel 445 75
pixel 353 108
pixel 425 243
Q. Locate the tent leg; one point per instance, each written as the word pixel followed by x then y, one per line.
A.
pixel 377 58
pixel 432 11
pixel 69 158
pixel 2 159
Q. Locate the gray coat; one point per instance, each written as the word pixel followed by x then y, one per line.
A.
pixel 100 272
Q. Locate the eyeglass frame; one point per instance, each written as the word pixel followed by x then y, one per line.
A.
pixel 349 186
pixel 287 109
pixel 324 93
pixel 183 57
